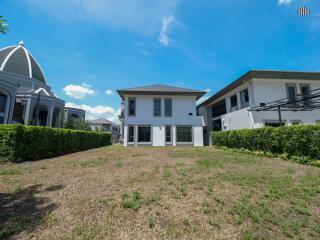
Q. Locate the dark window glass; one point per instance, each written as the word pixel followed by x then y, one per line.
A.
pixel 168 134
pixel 144 134
pixel 292 93
pixel 157 107
pixel 1 120
pixel 219 108
pixel 273 124
pixel 3 103
pixel 132 107
pixel 184 134
pixel 168 107
pixel 244 98
pixel 216 125
pixel 305 92
pixel 234 102
pixel 131 134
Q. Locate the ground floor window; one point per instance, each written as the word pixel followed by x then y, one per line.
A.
pixel 184 134
pixel 168 134
pixel 3 107
pixel 273 124
pixel 144 134
pixel 130 134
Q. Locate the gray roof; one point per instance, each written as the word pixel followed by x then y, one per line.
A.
pixel 18 60
pixel 270 74
pixel 100 121
pixel 160 89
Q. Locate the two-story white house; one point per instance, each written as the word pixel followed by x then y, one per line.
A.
pixel 160 115
pixel 230 108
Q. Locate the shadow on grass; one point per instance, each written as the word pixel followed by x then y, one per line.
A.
pixel 23 210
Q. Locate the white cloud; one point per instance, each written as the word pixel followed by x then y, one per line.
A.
pixel 165 29
pixel 79 91
pixel 99 111
pixel 108 92
pixel 284 2
pixel 208 90
pixel 141 16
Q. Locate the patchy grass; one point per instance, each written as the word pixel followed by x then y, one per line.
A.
pixel 159 193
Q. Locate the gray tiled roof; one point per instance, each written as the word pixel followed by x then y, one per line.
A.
pixel 160 89
pixel 100 121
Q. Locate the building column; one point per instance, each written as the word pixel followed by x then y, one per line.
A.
pixel 238 101
pixel 174 136
pixel 135 135
pixel 125 136
pixel 50 114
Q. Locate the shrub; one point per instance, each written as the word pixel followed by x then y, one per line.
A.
pixel 21 143
pixel 300 143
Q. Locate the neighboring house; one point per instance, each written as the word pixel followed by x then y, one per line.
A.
pixel 104 125
pixel 74 113
pixel 160 115
pixel 229 108
pixel 25 96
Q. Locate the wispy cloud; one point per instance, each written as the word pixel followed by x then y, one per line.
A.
pixel 108 92
pixel 94 112
pixel 284 2
pixel 167 23
pixel 79 91
pixel 141 16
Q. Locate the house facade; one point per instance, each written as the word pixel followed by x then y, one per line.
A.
pixel 74 113
pixel 160 115
pixel 25 96
pixel 230 108
pixel 104 125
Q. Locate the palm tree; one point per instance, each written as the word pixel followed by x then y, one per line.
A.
pixel 3 25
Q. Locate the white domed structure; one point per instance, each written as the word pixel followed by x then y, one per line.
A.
pixel 18 60
pixel 25 96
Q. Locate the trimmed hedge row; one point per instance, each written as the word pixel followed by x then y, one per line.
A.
pixel 293 141
pixel 20 143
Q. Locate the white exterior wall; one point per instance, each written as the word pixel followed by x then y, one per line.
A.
pixel 265 91
pixel 181 107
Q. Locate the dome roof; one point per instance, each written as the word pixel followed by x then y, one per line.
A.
pixel 18 60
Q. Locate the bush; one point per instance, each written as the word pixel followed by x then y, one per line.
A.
pixel 295 142
pixel 21 143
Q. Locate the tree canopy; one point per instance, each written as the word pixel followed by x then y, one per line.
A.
pixel 3 25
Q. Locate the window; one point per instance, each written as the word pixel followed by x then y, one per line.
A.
pixel 3 103
pixel 168 107
pixel 3 107
pixel 234 103
pixel 219 108
pixel 305 93
pixel 216 125
pixel 273 124
pixel 131 134
pixel 157 107
pixel 184 134
pixel 132 107
pixel 168 134
pixel 292 92
pixel 244 98
pixel 144 134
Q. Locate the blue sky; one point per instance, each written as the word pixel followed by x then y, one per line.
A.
pixel 90 48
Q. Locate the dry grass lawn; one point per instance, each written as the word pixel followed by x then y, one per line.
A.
pixel 159 193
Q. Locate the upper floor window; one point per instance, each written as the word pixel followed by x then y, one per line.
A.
pixel 168 107
pixel 305 93
pixel 244 98
pixel 219 108
pixel 132 107
pixel 292 92
pixel 157 107
pixel 234 103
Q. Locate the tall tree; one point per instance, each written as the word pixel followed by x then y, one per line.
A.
pixel 3 25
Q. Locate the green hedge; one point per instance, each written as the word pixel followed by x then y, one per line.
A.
pixel 21 143
pixel 292 141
